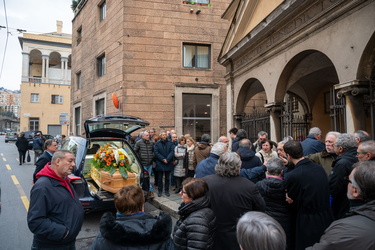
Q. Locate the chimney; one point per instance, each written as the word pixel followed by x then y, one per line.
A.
pixel 59 25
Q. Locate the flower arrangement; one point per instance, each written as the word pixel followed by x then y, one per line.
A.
pixel 109 158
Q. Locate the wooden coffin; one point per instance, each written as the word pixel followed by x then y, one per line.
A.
pixel 112 183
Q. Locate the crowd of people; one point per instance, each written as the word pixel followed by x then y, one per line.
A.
pixel 235 194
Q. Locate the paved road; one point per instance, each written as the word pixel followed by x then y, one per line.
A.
pixel 15 186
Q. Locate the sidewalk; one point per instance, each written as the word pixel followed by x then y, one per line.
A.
pixel 169 204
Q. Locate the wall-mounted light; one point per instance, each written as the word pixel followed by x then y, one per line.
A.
pixel 198 11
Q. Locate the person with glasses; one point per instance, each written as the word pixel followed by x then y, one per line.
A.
pixel 196 227
pixel 356 230
pixel 366 151
pixel 346 149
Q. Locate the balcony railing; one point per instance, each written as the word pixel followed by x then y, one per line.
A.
pixel 46 81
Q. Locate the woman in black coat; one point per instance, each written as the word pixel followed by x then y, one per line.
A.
pixel 196 227
pixel 22 146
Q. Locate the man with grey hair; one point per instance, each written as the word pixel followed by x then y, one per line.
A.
pixel 312 143
pixel 361 136
pixel 223 139
pixel 241 134
pixel 257 145
pixel 258 231
pixel 366 151
pixel 203 148
pixel 328 155
pixel 273 192
pixel 356 230
pixel 207 166
pixel 345 148
pixel 231 196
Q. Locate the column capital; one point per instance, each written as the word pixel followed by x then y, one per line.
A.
pixel 354 88
pixel 274 107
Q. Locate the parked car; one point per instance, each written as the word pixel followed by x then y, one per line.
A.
pixel 10 136
pixel 102 131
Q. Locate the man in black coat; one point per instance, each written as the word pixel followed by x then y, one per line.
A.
pixel 356 230
pixel 345 148
pixel 50 147
pixel 308 193
pixel 231 196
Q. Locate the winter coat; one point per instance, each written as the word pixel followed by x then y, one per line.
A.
pixel 164 150
pixel 324 159
pixel 230 198
pixel 37 143
pixel 254 174
pixel 356 231
pixel 248 158
pixel 236 143
pixel 311 145
pixel 139 231
pixel 196 227
pixel 207 166
pixel 307 186
pixel 180 154
pixel 145 151
pixel 22 144
pixel 341 168
pixel 41 163
pixel 263 156
pixel 273 193
pixel 53 211
pixel 202 151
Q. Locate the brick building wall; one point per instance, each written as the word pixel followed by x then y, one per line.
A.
pixel 143 46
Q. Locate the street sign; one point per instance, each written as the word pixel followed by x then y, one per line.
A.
pixel 64 119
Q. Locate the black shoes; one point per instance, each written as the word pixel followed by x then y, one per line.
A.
pixel 159 194
pixel 167 194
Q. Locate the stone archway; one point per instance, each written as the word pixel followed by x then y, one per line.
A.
pixel 308 76
pixel 250 108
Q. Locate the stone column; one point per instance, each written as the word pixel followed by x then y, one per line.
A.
pixel 44 66
pixel 47 69
pixel 64 70
pixel 25 66
pixel 275 110
pixel 353 92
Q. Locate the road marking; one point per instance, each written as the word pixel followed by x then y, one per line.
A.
pixel 23 196
pixel 8 166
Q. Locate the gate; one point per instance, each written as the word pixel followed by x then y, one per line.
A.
pixel 369 105
pixel 255 122
pixel 337 111
pixel 293 125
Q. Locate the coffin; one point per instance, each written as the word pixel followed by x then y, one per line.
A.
pixel 112 183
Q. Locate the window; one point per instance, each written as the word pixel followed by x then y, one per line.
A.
pixel 196 56
pixel 79 80
pixel 56 99
pixel 34 97
pixel 101 65
pixel 196 109
pixel 77 120
pixel 79 35
pixel 33 124
pixel 103 10
pixel 99 107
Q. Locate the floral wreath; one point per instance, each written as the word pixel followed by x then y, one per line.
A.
pixel 110 158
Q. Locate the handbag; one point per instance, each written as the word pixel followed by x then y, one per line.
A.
pixel 28 158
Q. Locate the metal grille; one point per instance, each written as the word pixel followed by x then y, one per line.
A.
pixel 255 122
pixel 293 125
pixel 337 112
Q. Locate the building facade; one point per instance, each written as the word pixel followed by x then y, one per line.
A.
pixel 292 65
pixel 158 58
pixel 45 87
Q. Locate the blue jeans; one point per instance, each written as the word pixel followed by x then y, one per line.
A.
pixel 148 169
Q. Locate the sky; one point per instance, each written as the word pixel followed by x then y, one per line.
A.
pixel 34 16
